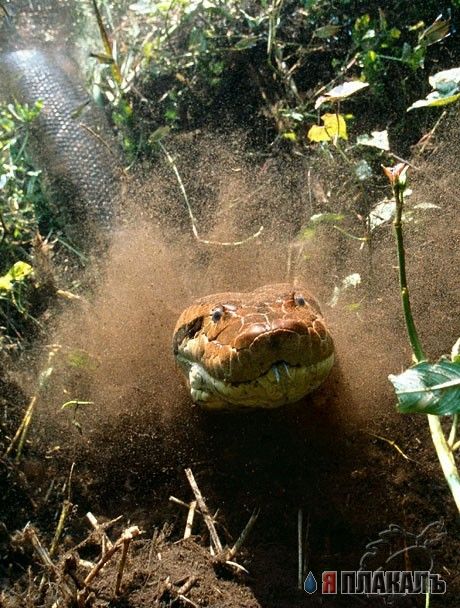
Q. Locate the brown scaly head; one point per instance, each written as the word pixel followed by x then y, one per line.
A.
pixel 264 348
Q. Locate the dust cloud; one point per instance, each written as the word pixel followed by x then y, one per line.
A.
pixel 142 428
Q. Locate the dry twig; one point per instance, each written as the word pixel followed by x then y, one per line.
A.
pixel 230 554
pixel 125 537
pixel 106 543
pixel 190 518
pixel 220 555
pixel 191 215
pixel 31 535
pixel 205 512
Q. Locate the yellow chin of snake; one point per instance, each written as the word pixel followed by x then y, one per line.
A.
pixel 280 385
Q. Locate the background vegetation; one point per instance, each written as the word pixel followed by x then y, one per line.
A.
pixel 180 65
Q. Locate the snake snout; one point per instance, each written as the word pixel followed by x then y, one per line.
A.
pixel 278 344
pixel 272 334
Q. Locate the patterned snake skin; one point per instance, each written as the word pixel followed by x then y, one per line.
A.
pixel 71 140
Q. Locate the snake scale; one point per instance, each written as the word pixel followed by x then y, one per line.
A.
pixel 71 140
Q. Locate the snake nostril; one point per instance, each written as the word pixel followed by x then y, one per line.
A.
pixel 217 314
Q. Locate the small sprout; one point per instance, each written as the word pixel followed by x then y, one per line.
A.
pixel 75 404
pixel 397 175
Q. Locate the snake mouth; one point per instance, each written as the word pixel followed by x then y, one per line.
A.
pixel 281 384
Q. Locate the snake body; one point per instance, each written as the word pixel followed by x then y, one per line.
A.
pixel 265 348
pixel 70 140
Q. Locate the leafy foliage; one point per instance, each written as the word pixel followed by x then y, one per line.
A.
pixel 446 85
pixel 20 190
pixel 20 198
pixel 429 388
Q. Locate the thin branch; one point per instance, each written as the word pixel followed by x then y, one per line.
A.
pixel 127 535
pixel 393 444
pixel 205 511
pixel 122 564
pixel 191 215
pixel 230 554
pixel 190 518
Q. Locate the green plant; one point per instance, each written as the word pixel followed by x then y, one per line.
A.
pixel 21 198
pixel 178 63
pixel 20 190
pixel 426 388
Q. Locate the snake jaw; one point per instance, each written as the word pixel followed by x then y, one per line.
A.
pixel 280 385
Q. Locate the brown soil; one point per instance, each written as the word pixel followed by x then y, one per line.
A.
pixel 344 457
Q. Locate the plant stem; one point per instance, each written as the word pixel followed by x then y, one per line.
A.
pixel 446 457
pixel 414 339
pixel 443 450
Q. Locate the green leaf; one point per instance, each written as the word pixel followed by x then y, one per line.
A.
pixel 81 360
pixel 446 85
pixel 429 388
pixel 381 213
pixel 74 403
pixel 246 43
pixel 17 273
pixel 290 135
pixel 328 218
pixel 433 100
pixel 436 32
pixel 377 139
pixel 327 31
pixel 341 92
pixel 446 81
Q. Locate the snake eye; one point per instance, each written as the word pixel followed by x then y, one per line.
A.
pixel 300 301
pixel 217 314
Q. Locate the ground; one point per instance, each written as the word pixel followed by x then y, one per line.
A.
pixel 343 457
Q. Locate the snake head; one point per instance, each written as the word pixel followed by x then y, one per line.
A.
pixel 258 349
